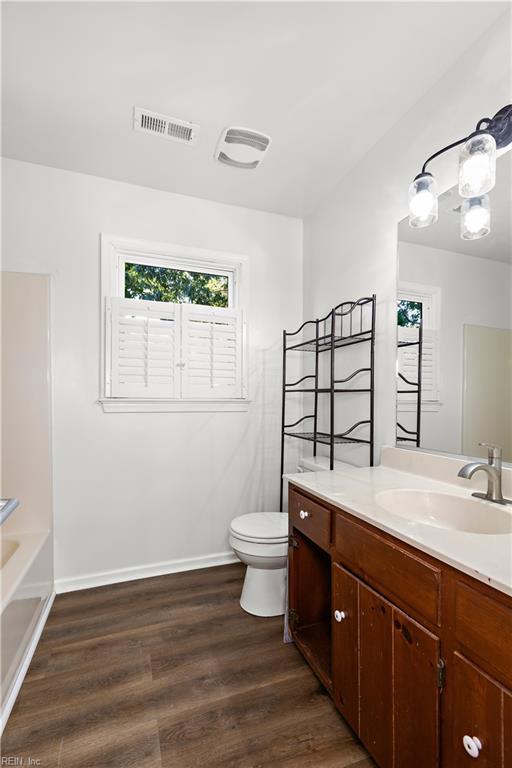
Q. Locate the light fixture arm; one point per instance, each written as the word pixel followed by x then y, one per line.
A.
pixel 441 152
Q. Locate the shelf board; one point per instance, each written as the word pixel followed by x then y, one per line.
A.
pixel 408 343
pixel 325 438
pixel 315 643
pixel 324 342
pixel 326 390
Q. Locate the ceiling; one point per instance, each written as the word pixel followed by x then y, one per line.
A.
pixel 325 80
pixel 444 234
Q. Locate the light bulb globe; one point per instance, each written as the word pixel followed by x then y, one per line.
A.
pixel 475 218
pixel 477 165
pixel 423 201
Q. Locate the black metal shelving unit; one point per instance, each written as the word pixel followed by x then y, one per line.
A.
pixel 404 435
pixel 349 323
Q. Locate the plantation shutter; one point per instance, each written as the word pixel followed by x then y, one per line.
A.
pixel 408 363
pixel 211 352
pixel 145 348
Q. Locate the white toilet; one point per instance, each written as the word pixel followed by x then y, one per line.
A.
pixel 260 540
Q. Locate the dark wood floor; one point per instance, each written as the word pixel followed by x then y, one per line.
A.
pixel 169 672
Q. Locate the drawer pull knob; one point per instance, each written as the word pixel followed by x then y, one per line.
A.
pixel 303 514
pixel 472 745
pixel 340 615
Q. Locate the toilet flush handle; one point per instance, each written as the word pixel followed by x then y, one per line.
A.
pixel 303 514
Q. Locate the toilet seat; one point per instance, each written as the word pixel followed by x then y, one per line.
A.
pixel 262 550
pixel 261 527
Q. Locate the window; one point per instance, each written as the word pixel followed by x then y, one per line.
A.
pixel 172 327
pixel 157 282
pixel 414 302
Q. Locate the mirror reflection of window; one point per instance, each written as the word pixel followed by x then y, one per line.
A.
pixel 408 313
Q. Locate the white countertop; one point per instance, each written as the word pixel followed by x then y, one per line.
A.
pixel 354 489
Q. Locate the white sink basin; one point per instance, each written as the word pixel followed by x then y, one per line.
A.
pixel 444 510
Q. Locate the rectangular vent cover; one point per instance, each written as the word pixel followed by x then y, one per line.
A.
pixel 164 126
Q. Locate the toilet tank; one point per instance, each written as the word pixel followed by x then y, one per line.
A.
pixel 316 464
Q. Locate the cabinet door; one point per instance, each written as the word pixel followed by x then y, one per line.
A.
pixel 375 675
pixel 399 693
pixel 477 715
pixel 345 644
pixel 415 694
pixel 507 729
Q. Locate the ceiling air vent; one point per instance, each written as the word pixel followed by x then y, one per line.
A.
pixel 164 126
pixel 242 147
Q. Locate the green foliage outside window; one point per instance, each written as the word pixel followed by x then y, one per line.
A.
pixel 178 286
pixel 408 313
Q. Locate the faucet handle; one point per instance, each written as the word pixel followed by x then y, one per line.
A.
pixel 493 451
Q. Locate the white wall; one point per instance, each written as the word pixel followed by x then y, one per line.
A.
pixel 350 242
pixel 473 292
pixel 132 490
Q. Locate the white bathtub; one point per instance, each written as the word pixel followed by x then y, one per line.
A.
pixel 26 577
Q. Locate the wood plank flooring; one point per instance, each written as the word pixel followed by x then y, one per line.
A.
pixel 169 672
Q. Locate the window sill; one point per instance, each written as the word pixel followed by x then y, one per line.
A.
pixel 128 405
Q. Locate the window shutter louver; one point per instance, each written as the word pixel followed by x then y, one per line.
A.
pixel 408 363
pixel 145 348
pixel 211 352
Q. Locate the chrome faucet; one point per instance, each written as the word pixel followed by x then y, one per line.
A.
pixel 493 470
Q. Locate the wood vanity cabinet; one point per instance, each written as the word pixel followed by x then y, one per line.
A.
pixel 416 655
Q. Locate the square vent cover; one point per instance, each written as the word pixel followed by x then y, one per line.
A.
pixel 164 126
pixel 242 147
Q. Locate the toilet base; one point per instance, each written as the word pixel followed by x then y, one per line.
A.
pixel 264 591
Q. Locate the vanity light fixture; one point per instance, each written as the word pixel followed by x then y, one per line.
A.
pixel 477 176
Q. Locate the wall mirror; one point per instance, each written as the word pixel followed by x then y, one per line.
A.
pixel 454 329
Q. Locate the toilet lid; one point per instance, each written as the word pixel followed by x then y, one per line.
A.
pixel 261 526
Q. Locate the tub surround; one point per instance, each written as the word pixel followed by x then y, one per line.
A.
pixel 485 557
pixel 27 585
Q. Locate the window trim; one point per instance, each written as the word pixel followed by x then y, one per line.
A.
pixel 115 251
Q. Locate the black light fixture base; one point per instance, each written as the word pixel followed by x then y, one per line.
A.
pixel 422 174
pixel 500 127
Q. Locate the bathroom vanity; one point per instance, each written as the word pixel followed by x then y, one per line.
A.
pixel 415 649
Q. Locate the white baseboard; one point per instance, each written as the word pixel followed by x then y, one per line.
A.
pixel 18 680
pixel 143 571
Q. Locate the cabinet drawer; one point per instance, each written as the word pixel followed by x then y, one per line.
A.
pixel 409 582
pixel 483 628
pixel 310 518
